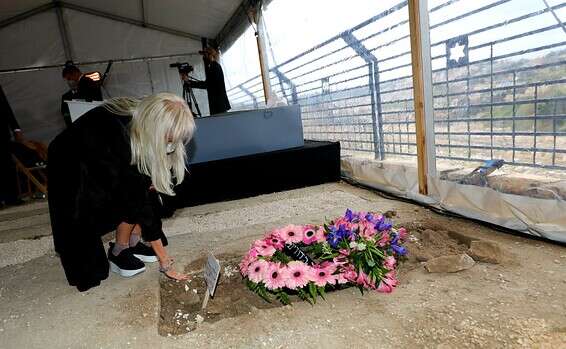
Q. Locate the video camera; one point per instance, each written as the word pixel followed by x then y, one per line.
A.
pixel 183 68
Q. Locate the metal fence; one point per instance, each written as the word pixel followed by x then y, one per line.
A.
pixel 499 85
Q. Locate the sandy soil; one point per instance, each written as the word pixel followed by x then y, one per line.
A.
pixel 520 304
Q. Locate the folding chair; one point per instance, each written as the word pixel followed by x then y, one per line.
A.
pixel 33 176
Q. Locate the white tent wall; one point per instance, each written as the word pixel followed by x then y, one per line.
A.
pixel 124 8
pixel 96 38
pixel 31 42
pixel 35 95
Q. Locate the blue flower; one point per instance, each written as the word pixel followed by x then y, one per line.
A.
pixel 400 250
pixel 383 224
pixel 395 239
pixel 336 235
pixel 333 239
pixel 349 215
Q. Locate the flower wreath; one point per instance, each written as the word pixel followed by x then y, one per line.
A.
pixel 357 249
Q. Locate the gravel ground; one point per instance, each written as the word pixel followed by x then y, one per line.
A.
pixel 516 305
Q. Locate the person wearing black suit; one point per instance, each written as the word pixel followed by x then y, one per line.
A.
pixel 8 126
pixel 214 84
pixel 82 87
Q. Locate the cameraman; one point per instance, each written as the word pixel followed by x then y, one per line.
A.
pixel 214 83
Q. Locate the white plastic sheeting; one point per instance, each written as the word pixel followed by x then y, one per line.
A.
pixel 204 18
pixel 540 217
pixel 96 38
pixel 35 95
pixel 33 42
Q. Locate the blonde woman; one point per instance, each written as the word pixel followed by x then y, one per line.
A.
pixel 107 171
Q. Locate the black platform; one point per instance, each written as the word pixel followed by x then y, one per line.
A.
pixel 246 176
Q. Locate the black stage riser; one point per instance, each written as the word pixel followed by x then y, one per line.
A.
pixel 247 176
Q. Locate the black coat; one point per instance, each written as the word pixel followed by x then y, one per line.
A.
pixel 215 87
pixel 8 122
pixel 93 188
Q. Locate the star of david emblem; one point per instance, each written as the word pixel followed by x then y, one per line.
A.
pixel 457 51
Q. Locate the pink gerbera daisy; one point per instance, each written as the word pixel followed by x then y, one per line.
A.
pixel 275 240
pixel 257 270
pixel 298 275
pixel 292 233
pixel 275 276
pixel 310 235
pixel 245 263
pixel 323 275
pixel 263 249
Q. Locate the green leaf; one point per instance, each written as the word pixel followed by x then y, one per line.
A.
pixel 312 291
pixel 304 296
pixel 279 256
pixel 321 292
pixel 282 297
pixel 263 293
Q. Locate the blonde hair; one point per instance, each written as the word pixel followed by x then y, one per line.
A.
pixel 157 120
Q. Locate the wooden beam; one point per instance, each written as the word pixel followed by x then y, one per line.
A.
pixel 422 92
pixel 256 17
pixel 20 166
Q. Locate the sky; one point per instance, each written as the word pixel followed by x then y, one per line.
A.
pixel 294 26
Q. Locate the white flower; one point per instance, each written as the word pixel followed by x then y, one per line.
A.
pixel 361 246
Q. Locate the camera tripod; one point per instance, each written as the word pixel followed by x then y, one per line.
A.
pixel 189 96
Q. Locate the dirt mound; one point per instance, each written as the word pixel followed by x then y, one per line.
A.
pixel 181 302
pixel 424 244
pixel 427 242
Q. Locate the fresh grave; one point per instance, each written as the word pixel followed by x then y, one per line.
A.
pixel 367 239
pixel 357 249
pixel 181 303
pixel 180 306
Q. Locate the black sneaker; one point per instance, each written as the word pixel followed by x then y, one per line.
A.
pixel 144 253
pixel 125 263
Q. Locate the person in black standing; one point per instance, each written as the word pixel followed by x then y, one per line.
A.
pixel 81 87
pixel 214 84
pixel 8 126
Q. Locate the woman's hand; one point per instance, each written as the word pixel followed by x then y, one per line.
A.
pixel 166 262
pixel 167 268
pixel 173 274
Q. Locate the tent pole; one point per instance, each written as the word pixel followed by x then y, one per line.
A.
pixel 422 92
pixel 20 17
pixel 142 9
pixel 131 21
pixel 63 31
pixel 263 65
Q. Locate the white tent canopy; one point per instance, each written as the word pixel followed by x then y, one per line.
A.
pixel 142 37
